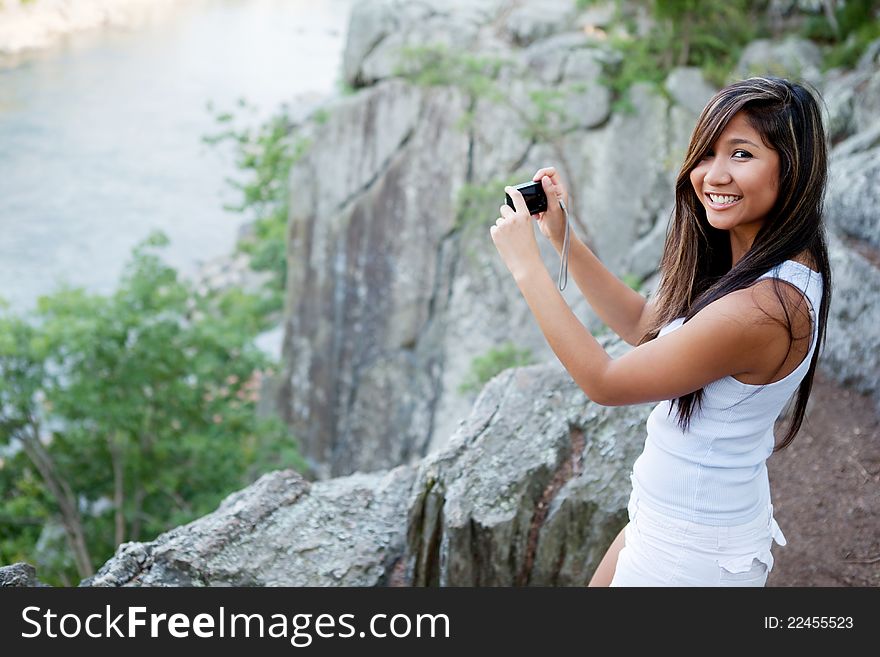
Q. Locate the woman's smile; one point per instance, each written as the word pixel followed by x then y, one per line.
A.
pixel 721 201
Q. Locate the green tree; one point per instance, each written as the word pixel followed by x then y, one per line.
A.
pixel 142 404
pixel 264 156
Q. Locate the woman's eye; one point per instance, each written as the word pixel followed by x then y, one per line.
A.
pixel 746 154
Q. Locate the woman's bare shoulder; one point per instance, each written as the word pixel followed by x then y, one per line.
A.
pixel 782 325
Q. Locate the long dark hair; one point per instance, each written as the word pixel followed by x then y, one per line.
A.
pixel 696 267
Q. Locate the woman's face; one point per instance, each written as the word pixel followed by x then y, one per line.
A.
pixel 738 181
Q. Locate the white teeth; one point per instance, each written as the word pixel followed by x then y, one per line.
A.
pixel 724 199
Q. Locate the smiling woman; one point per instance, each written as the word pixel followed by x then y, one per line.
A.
pixel 731 334
pixel 737 187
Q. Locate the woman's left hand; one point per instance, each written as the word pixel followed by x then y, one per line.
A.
pixel 514 236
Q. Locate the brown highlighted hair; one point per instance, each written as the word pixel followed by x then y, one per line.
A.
pixel 696 267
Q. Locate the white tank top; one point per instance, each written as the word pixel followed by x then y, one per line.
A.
pixel 716 473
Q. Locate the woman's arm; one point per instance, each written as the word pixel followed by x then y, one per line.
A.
pixel 616 303
pixel 729 336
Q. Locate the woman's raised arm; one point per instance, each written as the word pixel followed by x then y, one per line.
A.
pixel 625 311
pixel 622 309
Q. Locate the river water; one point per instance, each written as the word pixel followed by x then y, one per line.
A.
pixel 101 136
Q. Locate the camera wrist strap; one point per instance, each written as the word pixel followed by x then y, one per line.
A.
pixel 566 247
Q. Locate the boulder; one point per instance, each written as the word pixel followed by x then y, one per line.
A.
pixel 791 57
pixel 280 531
pixel 19 575
pixel 851 355
pixel 531 489
pixel 853 191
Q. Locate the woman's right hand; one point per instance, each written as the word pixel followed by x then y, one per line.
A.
pixel 552 222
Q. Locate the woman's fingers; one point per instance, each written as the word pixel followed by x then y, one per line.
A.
pixel 553 191
pixel 550 173
pixel 546 171
pixel 555 185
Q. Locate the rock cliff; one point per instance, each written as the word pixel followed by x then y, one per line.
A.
pixel 394 284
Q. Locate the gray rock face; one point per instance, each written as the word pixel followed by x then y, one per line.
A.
pixel 590 105
pixel 852 353
pixel 792 57
pixel 546 59
pixel 531 490
pixel 842 92
pixel 379 29
pixel 870 59
pixel 368 271
pixel 529 22
pixel 853 190
pixel 280 531
pixel 852 97
pixel 623 175
pixel 866 101
pixel 689 89
pixel 18 575
pixel 858 143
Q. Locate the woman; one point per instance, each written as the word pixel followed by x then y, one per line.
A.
pixel 730 335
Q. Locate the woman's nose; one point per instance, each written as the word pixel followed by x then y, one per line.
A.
pixel 718 173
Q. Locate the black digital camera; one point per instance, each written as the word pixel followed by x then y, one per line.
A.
pixel 534 196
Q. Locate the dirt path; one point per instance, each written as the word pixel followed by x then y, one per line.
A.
pixel 826 493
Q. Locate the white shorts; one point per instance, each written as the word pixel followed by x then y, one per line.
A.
pixel 661 550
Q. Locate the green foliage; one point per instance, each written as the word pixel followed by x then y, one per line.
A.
pixel 492 363
pixel 547 116
pixel 680 33
pixel 637 63
pixel 632 280
pixel 711 35
pixel 23 510
pixel 265 155
pixel 477 204
pixel 543 118
pixel 149 394
pixel 344 88
pixel 435 65
pixel 857 25
pixel 321 116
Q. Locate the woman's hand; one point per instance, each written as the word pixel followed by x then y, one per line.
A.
pixel 552 222
pixel 514 236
